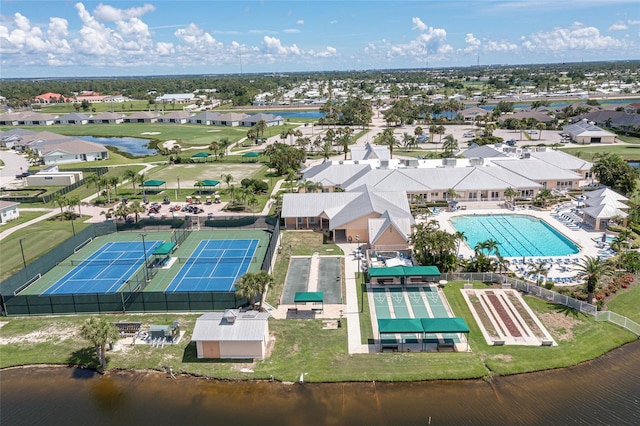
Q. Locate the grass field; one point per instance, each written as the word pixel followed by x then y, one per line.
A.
pixel 37 239
pixel 626 303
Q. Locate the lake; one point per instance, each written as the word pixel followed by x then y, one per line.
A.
pixel 135 146
pixel 298 114
pixel 604 391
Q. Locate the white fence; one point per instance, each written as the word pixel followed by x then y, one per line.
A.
pixel 524 286
pixel 619 320
pixel 549 295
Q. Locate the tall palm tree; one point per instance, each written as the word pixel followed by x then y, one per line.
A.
pixel 100 331
pixel 593 269
pixel 113 182
pixel 94 179
pixel 227 178
pixel 510 194
pixel 60 201
pixel 326 150
pixel 141 178
pixel 130 175
pixel 261 126
pixel 450 144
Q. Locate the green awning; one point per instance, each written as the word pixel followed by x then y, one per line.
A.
pixel 164 249
pixel 251 154
pixel 153 182
pixel 399 325
pixel 405 271
pixel 201 155
pixel 444 325
pixel 210 182
pixel 309 296
pixel 422 325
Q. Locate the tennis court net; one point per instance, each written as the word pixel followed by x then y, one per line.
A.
pixel 225 259
pixel 106 262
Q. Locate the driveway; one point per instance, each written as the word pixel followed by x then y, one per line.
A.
pixel 13 164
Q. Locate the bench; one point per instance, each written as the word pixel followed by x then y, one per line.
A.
pixel 390 346
pixel 546 342
pixel 292 310
pixel 446 345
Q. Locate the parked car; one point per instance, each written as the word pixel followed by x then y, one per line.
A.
pixel 469 135
pixel 511 142
pixel 422 139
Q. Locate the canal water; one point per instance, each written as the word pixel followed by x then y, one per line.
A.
pixel 605 391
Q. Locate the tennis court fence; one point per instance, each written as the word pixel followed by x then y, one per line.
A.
pixel 226 259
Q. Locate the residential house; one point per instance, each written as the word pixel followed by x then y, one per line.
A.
pixel 229 119
pixel 175 117
pixel 37 119
pixel 73 118
pixel 269 119
pixel 141 117
pixel 470 114
pixel 8 211
pixel 107 118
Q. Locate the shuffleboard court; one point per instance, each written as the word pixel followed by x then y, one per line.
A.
pixel 214 265
pixel 106 270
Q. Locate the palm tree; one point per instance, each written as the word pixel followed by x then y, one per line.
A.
pixel 122 210
pixel 460 237
pixel 141 179
pixel 326 150
pixel 450 144
pixel 74 201
pixel 510 194
pixel 198 183
pixel 253 284
pixel 113 182
pixel 540 270
pixel 130 175
pixel 104 182
pixel 440 130
pixel 227 178
pixel 95 180
pixel 216 148
pixel 60 201
pixel 261 126
pixel 100 332
pixel 136 208
pixel 593 269
pixel 540 126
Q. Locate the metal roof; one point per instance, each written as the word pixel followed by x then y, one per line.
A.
pixel 247 326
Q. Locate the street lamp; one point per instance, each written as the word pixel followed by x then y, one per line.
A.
pixel 24 262
pixel 144 249
pixel 73 228
pixel 357 276
pixel 177 190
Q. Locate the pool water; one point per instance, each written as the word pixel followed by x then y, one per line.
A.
pixel 517 235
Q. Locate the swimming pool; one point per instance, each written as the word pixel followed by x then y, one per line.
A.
pixel 518 235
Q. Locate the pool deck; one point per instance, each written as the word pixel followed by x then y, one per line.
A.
pixel 587 240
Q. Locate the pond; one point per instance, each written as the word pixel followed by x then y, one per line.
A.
pixel 135 146
pixel 604 391
pixel 298 114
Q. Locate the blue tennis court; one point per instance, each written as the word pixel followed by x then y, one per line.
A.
pixel 106 270
pixel 214 265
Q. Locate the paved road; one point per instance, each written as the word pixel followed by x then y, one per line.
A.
pixel 13 164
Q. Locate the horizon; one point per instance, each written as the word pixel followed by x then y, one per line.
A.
pixel 118 39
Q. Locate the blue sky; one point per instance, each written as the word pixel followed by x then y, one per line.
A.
pixel 123 38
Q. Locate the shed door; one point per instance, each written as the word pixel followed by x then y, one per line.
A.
pixel 211 349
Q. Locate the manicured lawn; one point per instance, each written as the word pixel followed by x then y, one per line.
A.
pixel 626 303
pixel 124 107
pixel 38 239
pixel 25 216
pixel 588 152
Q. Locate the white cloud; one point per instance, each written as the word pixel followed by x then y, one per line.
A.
pixel 274 46
pixel 333 22
pixel 576 37
pixel 300 22
pixel 291 31
pixel 499 46
pixel 472 43
pixel 108 13
pixel 618 26
pixel 418 24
